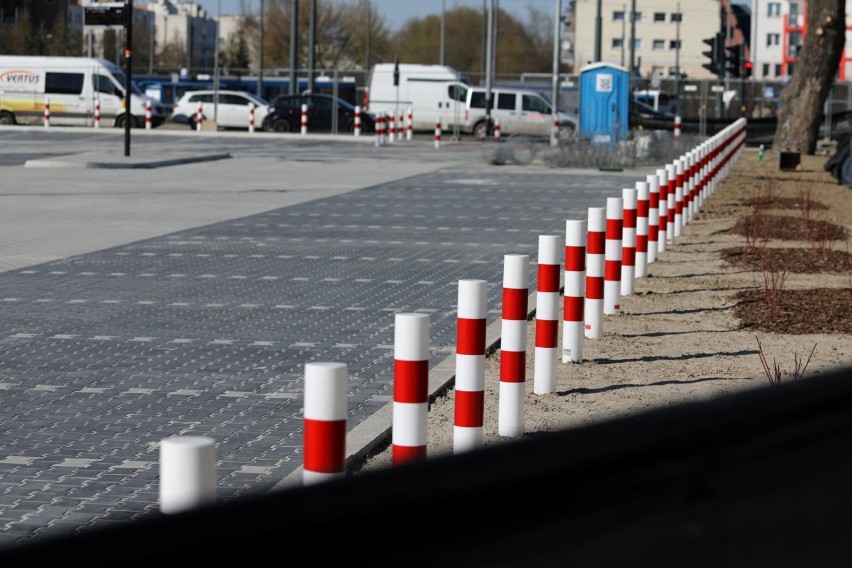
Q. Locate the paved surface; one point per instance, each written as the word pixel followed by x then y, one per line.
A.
pixel 144 302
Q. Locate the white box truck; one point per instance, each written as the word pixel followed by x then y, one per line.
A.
pixel 71 85
pixel 430 91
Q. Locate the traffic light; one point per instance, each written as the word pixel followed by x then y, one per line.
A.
pixel 748 67
pixel 712 55
pixel 733 60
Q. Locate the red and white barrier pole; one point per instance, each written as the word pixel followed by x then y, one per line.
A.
pixel 357 128
pixel 410 387
pixel 148 124
pixel 690 186
pixel 187 473
pixel 554 133
pixel 438 132
pixel 513 345
pixel 678 216
pixel 468 422
pixel 46 112
pixel 380 129
pixel 391 128
pixel 575 291
pixel 642 224
pixel 325 421
pixel 630 200
pixel 677 127
pixel 199 117
pixel 251 117
pixel 612 256
pixel 400 127
pixel 97 112
pixel 671 196
pixel 595 252
pixel 550 251
pixel 409 133
pixel 662 236
pixel 496 129
pixel 304 119
pixel 653 216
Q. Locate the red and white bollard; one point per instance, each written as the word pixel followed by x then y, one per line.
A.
pixel 199 117
pixel 513 345
pixel 677 127
pixel 642 224
pixel 357 128
pixel 595 251
pixel 438 132
pixel 391 128
pixel 187 473
pixel 400 127
pixel 304 119
pixel 630 200
pixel 662 235
pixel 612 271
pixel 496 129
pixel 380 129
pixel 575 291
pixel 148 124
pixel 678 216
pixel 325 421
pixel 46 112
pixel 653 215
pixel 468 422
pixel 97 112
pixel 251 117
pixel 550 250
pixel 409 133
pixel 690 183
pixel 554 132
pixel 410 387
pixel 671 195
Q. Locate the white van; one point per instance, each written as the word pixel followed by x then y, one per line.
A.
pixel 519 111
pixel 430 91
pixel 71 85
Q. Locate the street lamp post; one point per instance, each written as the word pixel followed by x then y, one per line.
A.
pixel 216 65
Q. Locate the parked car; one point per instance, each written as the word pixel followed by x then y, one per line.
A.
pixel 285 114
pixel 233 111
pixel 519 111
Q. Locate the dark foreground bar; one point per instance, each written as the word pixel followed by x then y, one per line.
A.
pixel 761 478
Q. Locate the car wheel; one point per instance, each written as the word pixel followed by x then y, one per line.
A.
pixel 7 119
pixel 280 125
pixel 119 122
pixel 567 132
pixel 480 130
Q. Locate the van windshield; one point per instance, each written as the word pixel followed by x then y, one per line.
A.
pixel 122 80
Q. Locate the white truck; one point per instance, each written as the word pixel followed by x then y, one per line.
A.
pixel 432 92
pixel 70 86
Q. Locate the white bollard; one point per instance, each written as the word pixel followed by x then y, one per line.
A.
pixel 575 291
pixel 678 216
pixel 468 431
pixel 187 473
pixel 677 127
pixel 251 117
pixel 547 313
pixel 400 127
pixel 409 134
pixel 97 112
pixel 628 241
pixel 357 128
pixel 148 124
pixel 410 387
pixel 642 223
pixel 554 132
pixel 653 215
pixel 595 250
pixel 612 267
pixel 671 195
pixel 46 112
pixel 496 129
pixel 304 129
pixel 199 116
pixel 662 236
pixel 325 413
pixel 391 128
pixel 513 345
pixel 438 133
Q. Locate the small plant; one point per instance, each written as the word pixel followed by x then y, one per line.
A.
pixel 806 203
pixel 773 289
pixel 822 240
pixel 766 195
pixel 752 229
pixel 774 373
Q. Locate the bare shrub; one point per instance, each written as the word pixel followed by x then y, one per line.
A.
pixel 774 373
pixel 773 288
pixel 806 202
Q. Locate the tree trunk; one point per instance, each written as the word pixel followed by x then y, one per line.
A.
pixel 802 99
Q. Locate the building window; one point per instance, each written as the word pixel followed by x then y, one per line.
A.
pixel 617 43
pixel 659 16
pixel 637 16
pixel 637 44
pixel 777 69
pixel 765 70
pixel 773 9
pixel 658 45
pixel 773 39
pixel 676 17
pixel 675 44
pixel 618 16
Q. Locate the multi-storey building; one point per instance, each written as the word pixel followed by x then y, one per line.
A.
pixel 778 32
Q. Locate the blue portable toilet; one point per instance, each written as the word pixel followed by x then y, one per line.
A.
pixel 604 103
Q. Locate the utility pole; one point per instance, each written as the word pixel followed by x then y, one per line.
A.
pixel 128 86
pixel 598 32
pixel 216 66
pixel 294 47
pixel 312 46
pixel 632 37
pixel 557 49
pixel 369 36
pixel 677 57
pixel 623 36
pixel 443 23
pixel 260 54
pixel 489 67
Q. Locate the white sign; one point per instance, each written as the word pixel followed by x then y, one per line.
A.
pixel 717 89
pixel 603 83
pixel 690 88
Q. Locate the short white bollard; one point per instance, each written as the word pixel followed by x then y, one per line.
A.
pixel 468 420
pixel 391 128
pixel 251 117
pixel 628 241
pixel 325 421
pixel 671 194
pixel 550 250
pixel 678 217
pixel 97 112
pixel 410 387
pixel 46 112
pixel 357 127
pixel 438 133
pixel 642 209
pixel 304 121
pixel 595 250
pixel 513 345
pixel 677 127
pixel 662 236
pixel 575 291
pixel 409 133
pixel 187 473
pixel 148 124
pixel 554 133
pixel 496 129
pixel 653 215
pixel 612 258
pixel 199 117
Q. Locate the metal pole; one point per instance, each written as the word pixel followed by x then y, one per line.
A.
pixel 369 35
pixel 677 58
pixel 294 47
pixel 128 87
pixel 488 66
pixel 557 45
pixel 598 32
pixel 152 22
pixel 216 66
pixel 632 37
pixel 623 34
pixel 260 54
pixel 443 21
pixel 312 46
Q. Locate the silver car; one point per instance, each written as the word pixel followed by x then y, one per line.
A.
pixel 232 111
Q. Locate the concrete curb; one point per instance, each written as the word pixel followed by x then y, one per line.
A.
pixel 96 161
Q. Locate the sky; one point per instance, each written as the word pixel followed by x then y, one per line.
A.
pixel 397 12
